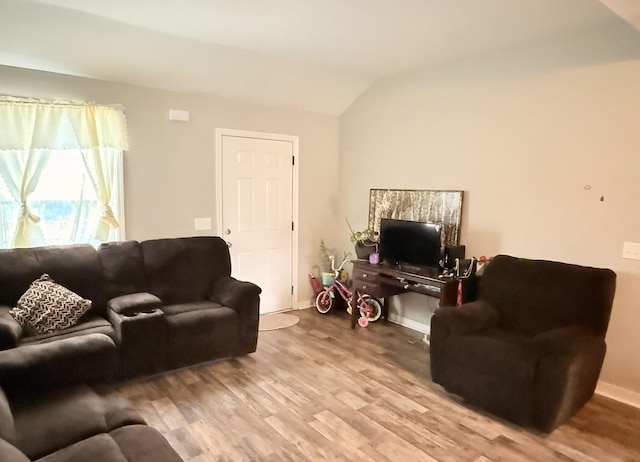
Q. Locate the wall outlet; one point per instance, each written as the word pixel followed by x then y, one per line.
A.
pixel 631 250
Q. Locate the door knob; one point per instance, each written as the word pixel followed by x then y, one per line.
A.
pixel 229 244
pixel 227 231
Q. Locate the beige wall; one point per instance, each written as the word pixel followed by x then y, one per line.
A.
pixel 169 170
pixel 535 137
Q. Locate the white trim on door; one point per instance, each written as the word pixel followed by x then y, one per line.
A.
pixel 294 140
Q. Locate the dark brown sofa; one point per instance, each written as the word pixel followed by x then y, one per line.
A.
pixel 531 347
pixel 167 303
pixel 55 406
pixel 155 305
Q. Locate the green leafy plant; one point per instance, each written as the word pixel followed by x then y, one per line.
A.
pixel 325 263
pixel 366 236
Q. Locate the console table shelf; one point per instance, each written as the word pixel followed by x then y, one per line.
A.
pixel 384 280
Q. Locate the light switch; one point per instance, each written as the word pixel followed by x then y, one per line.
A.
pixel 631 250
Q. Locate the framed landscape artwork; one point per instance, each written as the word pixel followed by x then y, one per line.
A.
pixel 431 206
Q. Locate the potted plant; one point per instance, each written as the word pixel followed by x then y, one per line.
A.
pixel 365 242
pixel 326 273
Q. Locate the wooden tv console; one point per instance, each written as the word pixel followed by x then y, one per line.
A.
pixel 384 280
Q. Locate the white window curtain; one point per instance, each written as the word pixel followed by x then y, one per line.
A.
pixel 100 166
pixel 31 130
pixel 21 171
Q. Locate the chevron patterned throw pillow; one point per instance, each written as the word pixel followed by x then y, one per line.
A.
pixel 47 307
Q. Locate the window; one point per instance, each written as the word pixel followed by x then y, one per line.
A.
pixel 60 173
pixel 65 201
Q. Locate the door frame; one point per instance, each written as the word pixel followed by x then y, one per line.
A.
pixel 294 140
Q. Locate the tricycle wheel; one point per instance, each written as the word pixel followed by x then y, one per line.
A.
pixel 324 302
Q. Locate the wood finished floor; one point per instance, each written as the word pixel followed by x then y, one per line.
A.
pixel 319 391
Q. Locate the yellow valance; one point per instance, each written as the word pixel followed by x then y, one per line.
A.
pixel 27 124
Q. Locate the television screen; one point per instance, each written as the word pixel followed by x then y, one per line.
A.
pixel 410 242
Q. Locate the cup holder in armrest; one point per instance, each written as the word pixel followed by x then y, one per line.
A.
pixel 132 304
pixel 132 314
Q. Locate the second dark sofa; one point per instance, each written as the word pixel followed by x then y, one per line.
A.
pixel 56 405
pixel 166 303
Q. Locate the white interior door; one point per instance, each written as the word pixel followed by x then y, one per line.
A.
pixel 257 192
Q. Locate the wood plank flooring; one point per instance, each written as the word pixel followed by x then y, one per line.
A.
pixel 320 391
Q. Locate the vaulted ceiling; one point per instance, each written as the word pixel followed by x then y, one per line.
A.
pixel 315 55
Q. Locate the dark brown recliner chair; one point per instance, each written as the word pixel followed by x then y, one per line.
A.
pixel 531 347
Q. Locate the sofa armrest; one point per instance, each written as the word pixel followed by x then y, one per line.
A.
pixel 235 294
pixel 569 361
pixel 449 321
pixel 453 321
pixel 244 299
pixel 10 329
pixel 565 340
pixel 29 369
pixel 134 303
pixel 466 318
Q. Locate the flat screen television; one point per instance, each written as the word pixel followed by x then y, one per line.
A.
pixel 410 243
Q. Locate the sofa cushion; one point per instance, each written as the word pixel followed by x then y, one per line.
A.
pixel 122 267
pixel 182 270
pixel 9 453
pixel 59 418
pixel 100 448
pixel 76 267
pixel 171 310
pixel 127 444
pixel 89 324
pixel 31 370
pixel 10 329
pixel 7 429
pixel 142 443
pixel 197 335
pixel 47 306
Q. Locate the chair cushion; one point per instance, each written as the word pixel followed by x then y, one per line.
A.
pixel 46 306
pixel 494 369
pixel 533 296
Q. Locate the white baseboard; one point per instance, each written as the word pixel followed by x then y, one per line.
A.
pixel 410 323
pixel 623 395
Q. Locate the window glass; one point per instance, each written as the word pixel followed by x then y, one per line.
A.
pixel 65 200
